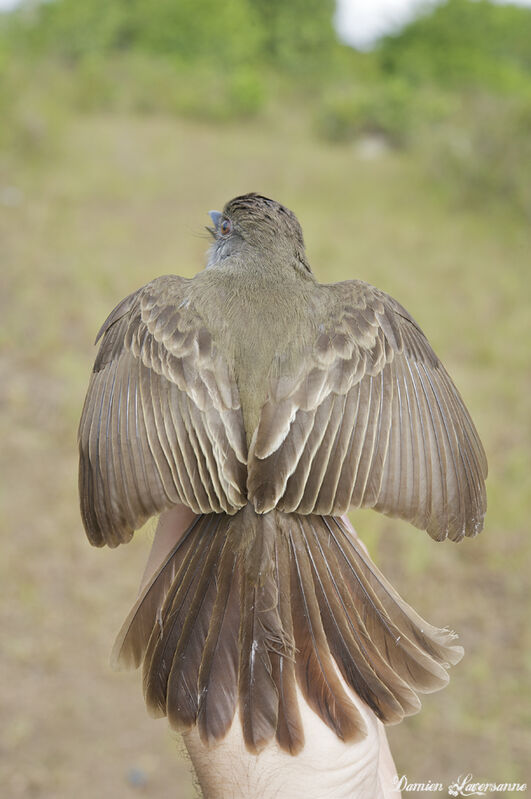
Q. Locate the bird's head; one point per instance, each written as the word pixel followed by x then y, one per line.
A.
pixel 253 227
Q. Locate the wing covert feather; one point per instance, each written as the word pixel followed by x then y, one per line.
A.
pixel 162 422
pixel 397 435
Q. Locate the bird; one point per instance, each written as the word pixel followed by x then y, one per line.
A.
pixel 270 404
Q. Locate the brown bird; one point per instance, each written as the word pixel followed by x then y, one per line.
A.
pixel 270 404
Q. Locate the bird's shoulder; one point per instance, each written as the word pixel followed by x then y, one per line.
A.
pixel 162 311
pixel 362 316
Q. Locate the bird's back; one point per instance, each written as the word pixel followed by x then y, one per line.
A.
pixel 260 323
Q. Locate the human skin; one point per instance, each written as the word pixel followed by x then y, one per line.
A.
pixel 326 767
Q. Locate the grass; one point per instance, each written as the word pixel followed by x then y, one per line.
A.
pixel 125 199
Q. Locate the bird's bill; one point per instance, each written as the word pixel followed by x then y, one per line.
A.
pixel 215 217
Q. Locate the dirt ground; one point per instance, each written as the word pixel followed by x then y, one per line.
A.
pixel 123 202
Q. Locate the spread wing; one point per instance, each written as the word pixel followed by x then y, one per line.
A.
pixel 371 419
pixel 162 422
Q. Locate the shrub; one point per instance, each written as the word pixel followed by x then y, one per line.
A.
pixel 392 109
pixel 463 44
pixel 483 154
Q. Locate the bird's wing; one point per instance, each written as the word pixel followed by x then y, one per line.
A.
pixel 371 419
pixel 162 422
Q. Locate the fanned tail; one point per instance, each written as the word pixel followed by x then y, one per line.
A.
pixel 251 609
pixel 384 650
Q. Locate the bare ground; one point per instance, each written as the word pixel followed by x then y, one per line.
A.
pixel 123 201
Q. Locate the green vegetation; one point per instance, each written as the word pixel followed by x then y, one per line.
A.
pixel 453 88
pixel 196 57
pixel 463 45
pixel 110 157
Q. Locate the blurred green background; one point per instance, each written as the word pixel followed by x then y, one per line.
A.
pixel 409 166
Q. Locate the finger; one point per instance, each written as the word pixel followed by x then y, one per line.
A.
pixel 387 773
pixel 326 766
pixel 171 526
pixel 348 524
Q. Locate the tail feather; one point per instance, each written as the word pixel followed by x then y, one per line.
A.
pixel 132 640
pixel 248 609
pixel 316 674
pixel 436 642
pixel 172 617
pixel 347 618
pixel 257 692
pixel 218 673
pixel 262 632
pixel 289 733
pixel 349 644
pixel 182 695
pixel 417 651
